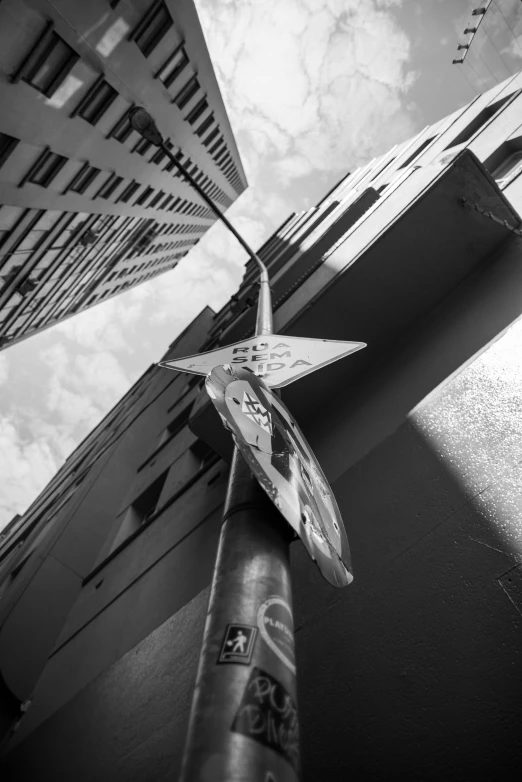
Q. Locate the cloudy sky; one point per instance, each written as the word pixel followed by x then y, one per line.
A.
pixel 314 88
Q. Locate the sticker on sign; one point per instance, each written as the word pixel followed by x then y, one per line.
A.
pixel 279 360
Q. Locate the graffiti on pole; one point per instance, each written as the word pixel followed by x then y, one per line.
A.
pixel 268 714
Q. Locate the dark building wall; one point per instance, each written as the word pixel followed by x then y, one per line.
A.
pixel 58 550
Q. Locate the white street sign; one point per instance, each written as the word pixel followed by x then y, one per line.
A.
pixel 279 360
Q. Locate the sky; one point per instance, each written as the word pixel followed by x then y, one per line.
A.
pixel 314 89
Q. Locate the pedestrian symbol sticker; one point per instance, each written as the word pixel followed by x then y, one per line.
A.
pixel 238 644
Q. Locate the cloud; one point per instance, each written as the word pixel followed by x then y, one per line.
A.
pixel 291 167
pixel 100 326
pixel 304 78
pixel 83 383
pixel 26 467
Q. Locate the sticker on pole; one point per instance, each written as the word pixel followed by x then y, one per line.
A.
pixel 276 625
pixel 238 644
pixel 277 359
pixel 282 461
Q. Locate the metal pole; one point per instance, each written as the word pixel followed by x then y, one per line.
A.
pixel 243 724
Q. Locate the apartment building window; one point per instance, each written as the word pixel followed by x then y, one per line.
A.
pixel 510 168
pixel 216 146
pixel 176 425
pixel 45 169
pixel 83 179
pixel 186 93
pixel 129 191
pixel 417 152
pixel 478 122
pixel 157 198
pixel 109 186
pixel 7 145
pixel 142 146
pixel 99 98
pixel 159 155
pixel 174 66
pixel 154 25
pixel 122 130
pixel 170 164
pixel 203 453
pixel 48 63
pixel 200 107
pixel 211 136
pixel 205 125
pixel 143 197
pixel 166 202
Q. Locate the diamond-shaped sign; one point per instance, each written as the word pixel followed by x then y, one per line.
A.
pixel 279 360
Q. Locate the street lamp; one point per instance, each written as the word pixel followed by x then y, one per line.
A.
pixel 243 723
pixel 142 122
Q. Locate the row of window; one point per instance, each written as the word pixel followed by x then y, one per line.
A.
pixel 203 180
pixel 50 164
pixel 126 284
pixel 133 270
pixel 168 73
pixel 52 58
pixel 55 288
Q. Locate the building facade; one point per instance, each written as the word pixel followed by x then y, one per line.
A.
pixel 87 207
pixel 413 671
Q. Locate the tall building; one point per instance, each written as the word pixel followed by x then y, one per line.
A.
pixel 88 207
pixel 413 671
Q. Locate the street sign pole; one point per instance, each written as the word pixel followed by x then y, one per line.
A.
pixel 243 724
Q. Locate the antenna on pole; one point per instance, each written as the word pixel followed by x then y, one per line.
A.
pixel 471 29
